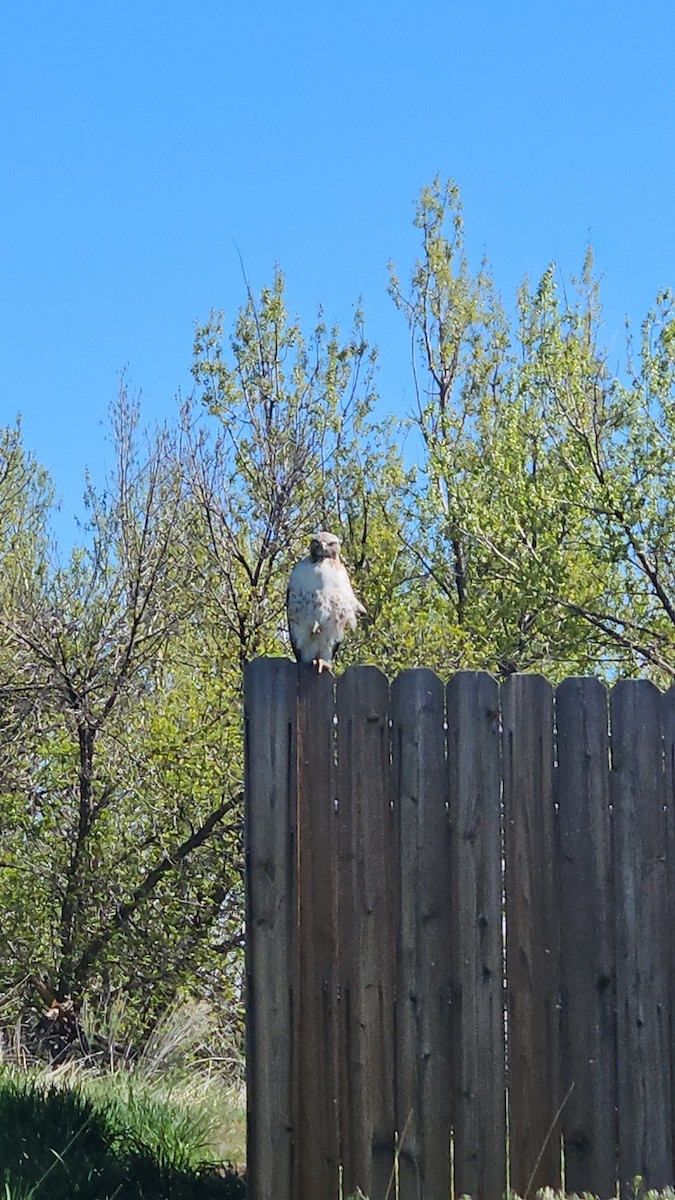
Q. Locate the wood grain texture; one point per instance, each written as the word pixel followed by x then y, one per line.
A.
pixel 477 1068
pixel 532 939
pixel 317 1156
pixel 588 968
pixel 374 933
pixel 365 883
pixel 667 704
pixel 422 1066
pixel 270 699
pixel 643 935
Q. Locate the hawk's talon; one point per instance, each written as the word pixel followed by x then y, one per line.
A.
pixel 321 665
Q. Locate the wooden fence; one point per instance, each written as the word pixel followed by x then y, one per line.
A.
pixel 460 934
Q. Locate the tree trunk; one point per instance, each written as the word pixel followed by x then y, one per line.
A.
pixel 76 880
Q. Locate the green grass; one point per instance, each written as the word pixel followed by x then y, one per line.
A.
pixel 135 1136
pixel 635 1192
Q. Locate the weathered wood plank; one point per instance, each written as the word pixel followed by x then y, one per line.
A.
pixel 532 939
pixel 477 1014
pixel 588 970
pixel 423 935
pixel 642 936
pixel 366 932
pixel 317 1152
pixel 668 724
pixel 270 698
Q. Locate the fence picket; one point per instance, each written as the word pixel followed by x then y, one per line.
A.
pixel 587 967
pixel 668 722
pixel 366 966
pixel 476 941
pixel 423 906
pixel 317 1152
pixel 642 935
pixel 532 940
pixel 270 826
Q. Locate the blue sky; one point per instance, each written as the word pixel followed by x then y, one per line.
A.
pixel 143 143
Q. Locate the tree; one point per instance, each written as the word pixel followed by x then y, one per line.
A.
pixel 110 811
pixel 123 868
pixel 615 438
pixel 502 527
pixel 289 445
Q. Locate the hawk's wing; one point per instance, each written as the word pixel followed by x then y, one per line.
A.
pixel 301 609
pixel 292 625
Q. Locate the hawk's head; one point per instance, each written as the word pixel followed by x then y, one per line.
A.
pixel 324 545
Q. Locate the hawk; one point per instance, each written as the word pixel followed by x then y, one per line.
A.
pixel 320 603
